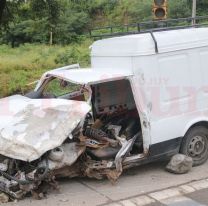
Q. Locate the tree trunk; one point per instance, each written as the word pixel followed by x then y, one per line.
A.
pixel 51 37
pixel 2 7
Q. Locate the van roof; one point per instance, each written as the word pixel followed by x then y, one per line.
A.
pixel 143 44
pixel 86 76
pixel 91 76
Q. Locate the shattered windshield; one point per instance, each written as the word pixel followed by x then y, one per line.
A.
pixel 59 88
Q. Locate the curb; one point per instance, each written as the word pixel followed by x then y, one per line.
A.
pixel 164 196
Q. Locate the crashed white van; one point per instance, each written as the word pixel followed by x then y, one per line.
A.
pixel 144 98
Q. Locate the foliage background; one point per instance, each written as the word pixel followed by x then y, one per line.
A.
pixel 28 26
pixel 32 21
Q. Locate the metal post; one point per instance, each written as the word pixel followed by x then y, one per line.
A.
pixel 194 13
pixel 111 29
pixel 138 27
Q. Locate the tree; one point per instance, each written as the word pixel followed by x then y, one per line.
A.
pixel 48 9
pixel 9 10
pixel 2 8
pixel 202 7
pixel 179 9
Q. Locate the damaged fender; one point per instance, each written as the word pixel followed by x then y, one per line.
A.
pixel 36 126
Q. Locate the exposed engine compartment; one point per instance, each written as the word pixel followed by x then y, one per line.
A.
pixel 116 118
pixel 107 133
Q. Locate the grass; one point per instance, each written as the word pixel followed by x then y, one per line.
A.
pixel 25 64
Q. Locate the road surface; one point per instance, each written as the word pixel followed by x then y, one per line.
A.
pixel 150 182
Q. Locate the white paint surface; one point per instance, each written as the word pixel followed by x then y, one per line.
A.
pixel 31 127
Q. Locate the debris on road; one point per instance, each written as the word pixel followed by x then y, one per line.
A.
pixel 180 164
pixel 4 198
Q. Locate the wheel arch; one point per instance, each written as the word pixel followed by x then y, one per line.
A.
pixel 203 123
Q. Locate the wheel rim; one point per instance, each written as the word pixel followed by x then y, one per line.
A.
pixel 197 147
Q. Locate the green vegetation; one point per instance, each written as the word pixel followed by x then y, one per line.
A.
pixel 25 64
pixel 28 27
pixel 64 21
pixel 57 88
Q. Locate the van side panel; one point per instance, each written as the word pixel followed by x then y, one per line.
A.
pixel 175 85
pixel 111 62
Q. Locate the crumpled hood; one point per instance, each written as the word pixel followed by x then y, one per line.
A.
pixel 31 127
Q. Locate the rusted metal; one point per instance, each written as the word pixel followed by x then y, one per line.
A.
pixel 100 136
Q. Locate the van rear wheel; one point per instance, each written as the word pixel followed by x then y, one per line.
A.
pixel 195 145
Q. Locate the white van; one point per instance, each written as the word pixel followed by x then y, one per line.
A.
pixel 168 76
pixel 144 98
pixel 163 75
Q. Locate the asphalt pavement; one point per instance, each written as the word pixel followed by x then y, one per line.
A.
pixel 191 194
pixel 144 185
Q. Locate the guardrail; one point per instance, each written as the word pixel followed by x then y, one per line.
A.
pixel 148 26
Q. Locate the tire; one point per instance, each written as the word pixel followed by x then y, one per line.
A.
pixel 195 145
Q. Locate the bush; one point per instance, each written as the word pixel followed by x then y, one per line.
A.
pixel 71 27
pixel 179 9
pixel 28 31
pixel 69 57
